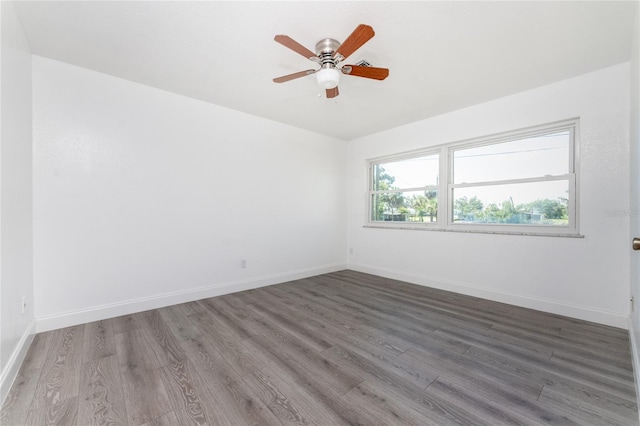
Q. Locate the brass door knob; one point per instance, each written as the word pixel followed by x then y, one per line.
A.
pixel 636 243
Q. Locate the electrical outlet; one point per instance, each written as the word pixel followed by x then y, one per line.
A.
pixel 243 263
pixel 351 250
pixel 23 305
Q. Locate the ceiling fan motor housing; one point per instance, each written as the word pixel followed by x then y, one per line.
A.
pixel 325 49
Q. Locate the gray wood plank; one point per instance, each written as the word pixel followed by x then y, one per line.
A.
pixel 289 325
pixel 190 308
pixel 417 398
pixel 17 404
pixel 290 407
pixel 160 340
pixel 419 374
pixel 594 364
pixel 144 392
pixel 101 401
pixel 334 409
pixel 596 406
pixel 471 308
pixel 169 419
pixel 229 315
pixel 610 354
pixel 330 312
pixel 497 405
pixel 98 340
pixel 426 314
pixel 60 375
pixel 499 341
pixel 241 406
pixel 178 373
pixel 176 318
pixel 466 370
pixel 295 352
pixel 387 407
pixel 331 327
pixel 226 342
pixel 37 353
pixel 240 299
pixel 400 335
pixel 123 323
pixel 538 373
pixel 550 366
pixel 578 413
pixel 188 402
pixel 60 412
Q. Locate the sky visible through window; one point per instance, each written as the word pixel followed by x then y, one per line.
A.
pixel 539 156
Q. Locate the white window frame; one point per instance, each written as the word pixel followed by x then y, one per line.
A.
pixel 446 186
pixel 400 157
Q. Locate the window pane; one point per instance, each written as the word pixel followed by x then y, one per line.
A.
pixel 536 203
pixel 546 155
pixel 409 173
pixel 409 206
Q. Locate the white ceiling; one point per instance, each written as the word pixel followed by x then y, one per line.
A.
pixel 442 55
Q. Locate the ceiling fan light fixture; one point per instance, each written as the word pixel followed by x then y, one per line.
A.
pixel 328 78
pixel 329 53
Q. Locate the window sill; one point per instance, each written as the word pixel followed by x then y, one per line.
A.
pixel 474 231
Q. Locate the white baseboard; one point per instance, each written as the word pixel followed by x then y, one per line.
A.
pixel 574 311
pixel 635 358
pixel 97 313
pixel 10 372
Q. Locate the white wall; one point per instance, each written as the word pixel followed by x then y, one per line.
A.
pixel 635 164
pixel 144 198
pixel 16 249
pixel 586 278
pixel 634 319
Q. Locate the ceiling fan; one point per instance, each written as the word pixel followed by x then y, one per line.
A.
pixel 329 54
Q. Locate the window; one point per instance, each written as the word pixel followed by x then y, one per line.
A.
pixel 406 190
pixel 521 182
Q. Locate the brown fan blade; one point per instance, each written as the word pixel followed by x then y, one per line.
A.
pixel 295 46
pixel 366 72
pixel 358 37
pixel 293 76
pixel 332 93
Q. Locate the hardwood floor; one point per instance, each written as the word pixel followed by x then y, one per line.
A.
pixel 341 348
